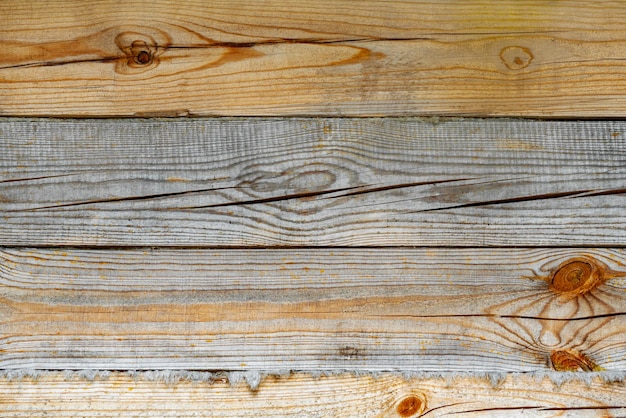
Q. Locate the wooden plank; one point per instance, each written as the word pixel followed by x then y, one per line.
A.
pixel 55 395
pixel 427 310
pixel 312 182
pixel 244 57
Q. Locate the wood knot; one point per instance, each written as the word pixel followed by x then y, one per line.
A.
pixel 141 52
pixel 516 57
pixel 576 277
pixel 411 406
pixel 572 361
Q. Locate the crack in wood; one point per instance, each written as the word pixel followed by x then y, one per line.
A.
pixel 538 408
pixel 602 193
pixel 59 63
pixel 272 199
pixel 291 41
pixel 124 199
pixel 532 198
pixel 397 186
pixel 538 318
pixel 443 406
pixel 361 191
pixel 35 178
pixel 216 44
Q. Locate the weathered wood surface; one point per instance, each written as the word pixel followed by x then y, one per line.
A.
pixel 56 395
pixel 339 57
pixel 312 182
pixel 453 310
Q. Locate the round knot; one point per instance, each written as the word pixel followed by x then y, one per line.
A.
pixel 516 57
pixel 576 277
pixel 143 58
pixel 141 53
pixel 572 275
pixel 410 406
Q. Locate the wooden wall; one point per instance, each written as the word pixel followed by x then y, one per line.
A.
pixel 341 232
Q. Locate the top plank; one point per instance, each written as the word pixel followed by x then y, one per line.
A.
pixel 339 57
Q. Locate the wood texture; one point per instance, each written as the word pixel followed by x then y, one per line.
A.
pixel 426 310
pixel 244 57
pixel 55 395
pixel 312 182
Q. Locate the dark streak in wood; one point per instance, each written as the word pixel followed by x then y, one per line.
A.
pixel 396 186
pixel 35 178
pixel 539 408
pixel 271 199
pixel 511 200
pixel 123 199
pixel 539 318
pixel 603 193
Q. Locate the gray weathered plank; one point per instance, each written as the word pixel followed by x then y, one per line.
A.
pixel 55 395
pixel 312 182
pixel 456 310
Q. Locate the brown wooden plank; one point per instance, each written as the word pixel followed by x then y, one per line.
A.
pixel 312 182
pixel 243 57
pixel 58 395
pixel 454 310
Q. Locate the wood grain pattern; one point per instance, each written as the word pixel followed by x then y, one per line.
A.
pixel 312 182
pixel 243 57
pixel 55 395
pixel 454 310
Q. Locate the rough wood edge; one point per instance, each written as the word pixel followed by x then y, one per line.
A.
pixel 339 394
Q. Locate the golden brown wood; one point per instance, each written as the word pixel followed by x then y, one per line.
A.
pixel 454 310
pixel 244 57
pixel 56 395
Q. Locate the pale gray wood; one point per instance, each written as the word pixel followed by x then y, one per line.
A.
pixel 453 310
pixel 312 182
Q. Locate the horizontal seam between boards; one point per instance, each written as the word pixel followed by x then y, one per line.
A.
pixel 418 117
pixel 305 247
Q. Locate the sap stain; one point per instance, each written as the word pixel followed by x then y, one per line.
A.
pixel 350 352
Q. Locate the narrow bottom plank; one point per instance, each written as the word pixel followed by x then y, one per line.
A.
pixel 55 394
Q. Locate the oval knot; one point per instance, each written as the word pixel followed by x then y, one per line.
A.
pixel 516 57
pixel 577 276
